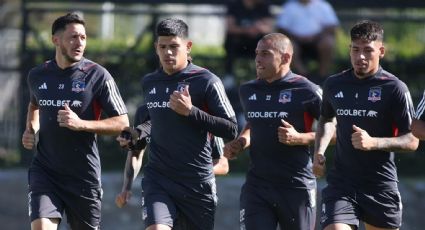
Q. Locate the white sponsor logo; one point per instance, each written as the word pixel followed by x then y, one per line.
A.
pixel 356 113
pixel 153 91
pixel 43 86
pixel 268 97
pixel 253 97
pixel 76 103
pixel 157 104
pixel 339 95
pixel 270 114
pixel 242 215
pixel 283 115
pixel 54 103
pixel 372 113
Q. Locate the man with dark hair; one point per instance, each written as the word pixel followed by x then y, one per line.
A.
pixel 178 183
pixel 279 107
pixel 67 96
pixel 373 111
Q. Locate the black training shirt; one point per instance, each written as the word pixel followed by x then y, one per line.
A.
pixel 180 146
pixel 381 105
pixel 88 89
pixel 295 100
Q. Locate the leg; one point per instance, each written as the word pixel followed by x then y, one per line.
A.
pixel 158 227
pixel 83 207
pixel 382 209
pixel 371 227
pixel 339 209
pixel 159 211
pixel 256 212
pixel 45 206
pixel 45 224
pixel 325 48
pixel 296 208
pixel 340 226
pixel 196 204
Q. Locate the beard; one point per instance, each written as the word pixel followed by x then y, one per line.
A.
pixel 69 58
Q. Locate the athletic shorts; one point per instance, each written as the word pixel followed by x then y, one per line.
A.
pixel 49 200
pixel 266 207
pixel 381 209
pixel 179 205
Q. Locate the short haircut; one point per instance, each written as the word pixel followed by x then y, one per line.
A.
pixel 280 41
pixel 60 23
pixel 368 31
pixel 172 27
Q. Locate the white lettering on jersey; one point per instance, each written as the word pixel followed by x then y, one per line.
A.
pixel 53 103
pixel 269 114
pixel 158 104
pixel 356 113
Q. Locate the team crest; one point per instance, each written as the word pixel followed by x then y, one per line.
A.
pixel 374 94
pixel 285 96
pixel 78 86
pixel 181 86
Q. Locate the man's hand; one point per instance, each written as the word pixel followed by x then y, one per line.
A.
pixel 361 139
pixel 181 102
pixel 128 138
pixel 28 138
pixel 122 199
pixel 67 118
pixel 232 148
pixel 287 134
pixel 319 165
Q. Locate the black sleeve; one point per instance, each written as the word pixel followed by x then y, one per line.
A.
pixel 218 126
pixel 142 115
pixel 220 119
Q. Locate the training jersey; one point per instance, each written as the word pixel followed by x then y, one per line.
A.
pixel 180 146
pixel 88 89
pixel 381 105
pixel 142 122
pixel 294 99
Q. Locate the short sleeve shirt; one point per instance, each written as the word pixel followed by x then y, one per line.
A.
pixel 89 90
pixel 381 105
pixel 295 100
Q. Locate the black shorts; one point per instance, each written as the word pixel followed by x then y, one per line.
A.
pixel 179 205
pixel 266 207
pixel 49 199
pixel 381 209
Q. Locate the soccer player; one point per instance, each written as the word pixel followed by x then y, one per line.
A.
pixel 67 96
pixel 187 104
pixel 280 107
pixel 418 124
pixel 373 111
pixel 136 150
